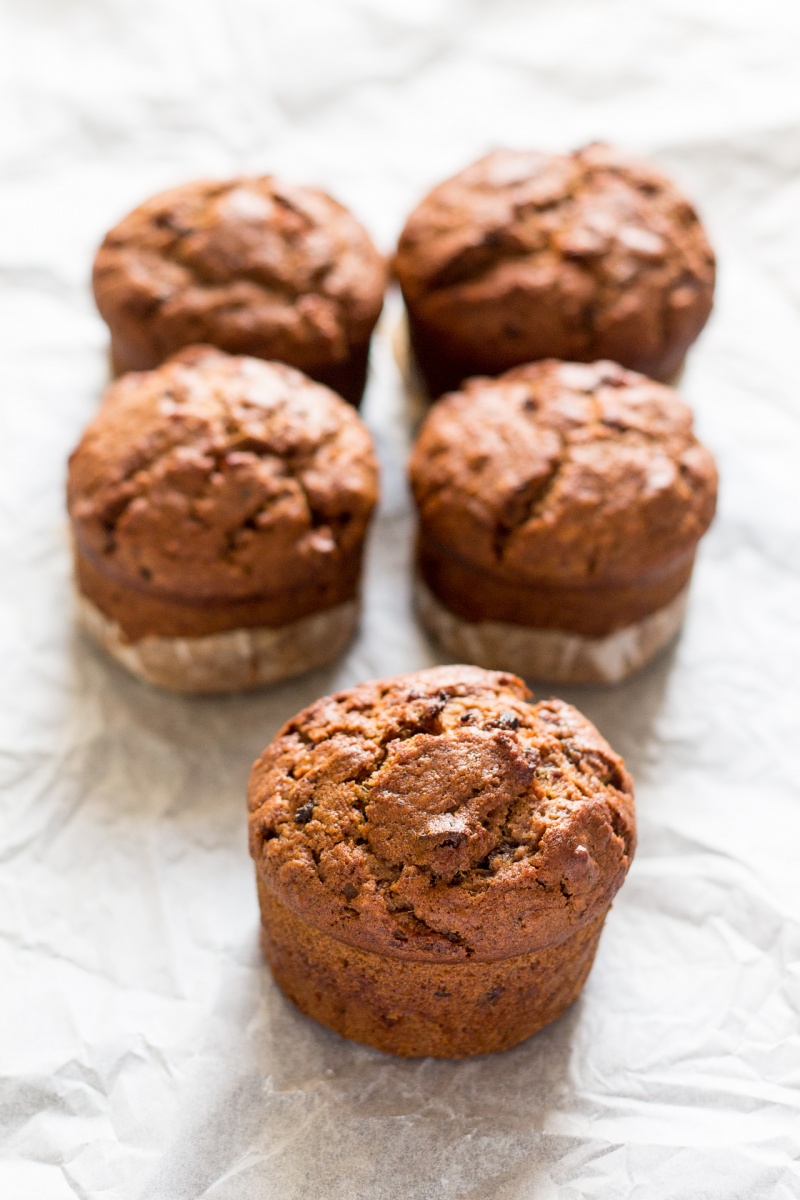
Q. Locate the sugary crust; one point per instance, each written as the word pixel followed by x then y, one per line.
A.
pixel 548 654
pixel 251 265
pixel 579 256
pixel 442 1009
pixel 220 482
pixel 563 474
pixel 442 817
pixel 234 660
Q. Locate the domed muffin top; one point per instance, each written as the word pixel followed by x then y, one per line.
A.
pixel 218 478
pixel 441 814
pixel 240 260
pixel 576 256
pixel 564 473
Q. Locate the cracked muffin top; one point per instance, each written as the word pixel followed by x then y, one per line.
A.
pixel 239 262
pixel 565 473
pixel 576 256
pixel 220 478
pixel 442 815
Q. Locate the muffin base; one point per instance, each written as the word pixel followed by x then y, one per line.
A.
pixel 413 1008
pixel 551 655
pixel 445 374
pixel 230 661
pixel 348 379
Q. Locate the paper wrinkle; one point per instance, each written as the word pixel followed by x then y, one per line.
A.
pixel 146 1054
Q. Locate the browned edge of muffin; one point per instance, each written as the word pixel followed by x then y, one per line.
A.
pixel 415 1009
pixel 591 610
pixel 140 612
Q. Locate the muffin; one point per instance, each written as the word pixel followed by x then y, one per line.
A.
pixel 560 507
pixel 218 508
pixel 580 256
pixel 253 266
pixel 435 857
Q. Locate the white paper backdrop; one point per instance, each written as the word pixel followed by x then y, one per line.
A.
pixel 144 1051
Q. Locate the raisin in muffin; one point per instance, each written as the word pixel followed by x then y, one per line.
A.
pixel 435 857
pixel 576 256
pixel 560 507
pixel 251 265
pixel 219 507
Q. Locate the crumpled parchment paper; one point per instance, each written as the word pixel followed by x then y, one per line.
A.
pixel 144 1051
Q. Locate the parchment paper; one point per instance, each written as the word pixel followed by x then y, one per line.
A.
pixel 144 1051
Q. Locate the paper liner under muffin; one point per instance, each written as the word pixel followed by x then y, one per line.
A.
pixel 423 1008
pixel 550 654
pixel 234 660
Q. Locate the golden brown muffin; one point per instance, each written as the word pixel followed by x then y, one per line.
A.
pixel 251 265
pixel 435 858
pixel 578 256
pixel 219 507
pixel 560 507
